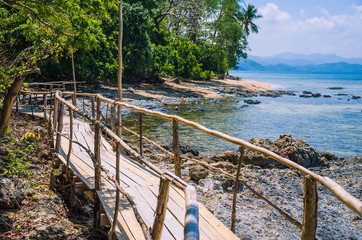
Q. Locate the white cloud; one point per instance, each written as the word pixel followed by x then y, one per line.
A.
pixel 272 13
pixel 280 32
pixel 301 12
pixel 357 8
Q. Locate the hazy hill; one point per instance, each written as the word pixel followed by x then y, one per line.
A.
pixel 296 59
pixel 291 62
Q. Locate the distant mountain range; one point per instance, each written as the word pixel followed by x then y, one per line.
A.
pixel 292 62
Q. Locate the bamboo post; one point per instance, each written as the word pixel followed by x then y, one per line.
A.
pixel 176 147
pixel 118 192
pixel 60 126
pixel 74 102
pixel 309 228
pixel 97 169
pixel 83 104
pixel 70 140
pixel 191 230
pixel 113 123
pixel 97 148
pixel 141 136
pixel 107 113
pixel 236 185
pixel 45 105
pixel 161 208
pixel 54 120
pixel 93 108
pixel 72 192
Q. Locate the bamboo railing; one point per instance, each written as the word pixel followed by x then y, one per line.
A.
pixel 309 224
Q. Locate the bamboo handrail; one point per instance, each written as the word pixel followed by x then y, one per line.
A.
pixel 349 200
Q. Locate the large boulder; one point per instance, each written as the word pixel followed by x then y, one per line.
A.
pixel 198 172
pixel 11 195
pixel 286 146
pixel 184 148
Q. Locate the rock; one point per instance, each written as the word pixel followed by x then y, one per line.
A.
pixel 356 97
pixel 49 232
pixel 176 80
pixel 327 96
pixel 329 156
pixel 307 92
pixel 305 96
pixel 224 165
pixel 10 195
pixel 131 90
pixel 286 146
pixel 184 148
pixel 250 101
pixel 198 172
pixel 335 88
pixel 230 156
pixel 315 95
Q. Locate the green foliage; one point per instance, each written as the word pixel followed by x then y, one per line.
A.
pixel 19 153
pixel 184 38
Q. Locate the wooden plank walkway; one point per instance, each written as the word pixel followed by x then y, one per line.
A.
pixel 140 183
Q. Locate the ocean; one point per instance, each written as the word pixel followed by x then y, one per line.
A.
pixel 328 124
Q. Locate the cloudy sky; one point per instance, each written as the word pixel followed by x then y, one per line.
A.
pixel 309 26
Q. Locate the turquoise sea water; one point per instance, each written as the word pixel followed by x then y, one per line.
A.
pixel 328 124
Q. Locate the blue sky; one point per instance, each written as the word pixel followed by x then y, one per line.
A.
pixel 318 26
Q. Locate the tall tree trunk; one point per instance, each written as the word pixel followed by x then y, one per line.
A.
pixel 8 104
pixel 120 36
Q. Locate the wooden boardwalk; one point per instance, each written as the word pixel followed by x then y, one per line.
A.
pixel 141 183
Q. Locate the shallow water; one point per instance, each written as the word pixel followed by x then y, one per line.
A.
pixel 328 124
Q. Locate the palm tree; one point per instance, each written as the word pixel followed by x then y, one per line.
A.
pixel 246 18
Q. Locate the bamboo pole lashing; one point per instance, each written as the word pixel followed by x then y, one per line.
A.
pixel 309 228
pixel 236 188
pixel 161 208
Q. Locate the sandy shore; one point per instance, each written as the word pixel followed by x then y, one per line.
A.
pixel 174 89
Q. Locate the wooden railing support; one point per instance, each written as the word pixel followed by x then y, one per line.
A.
pixel 161 208
pixel 236 186
pixel 309 228
pixel 72 192
pixel 176 148
pixel 70 140
pixel 60 126
pixel 113 123
pixel 118 192
pixel 191 230
pixel 97 169
pixel 45 99
pixel 93 109
pixel 141 134
pixel 97 148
